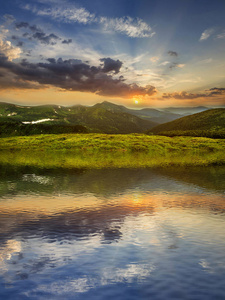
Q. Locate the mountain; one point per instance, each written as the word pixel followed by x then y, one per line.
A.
pixel 150 114
pixel 156 115
pixel 185 110
pixel 209 123
pixel 65 115
pixel 103 117
pixel 97 118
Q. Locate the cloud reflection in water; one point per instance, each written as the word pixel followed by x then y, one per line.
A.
pixel 61 242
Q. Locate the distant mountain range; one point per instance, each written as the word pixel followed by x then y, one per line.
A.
pixel 186 110
pixel 151 114
pixel 103 117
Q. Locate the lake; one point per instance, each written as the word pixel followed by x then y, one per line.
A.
pixel 112 234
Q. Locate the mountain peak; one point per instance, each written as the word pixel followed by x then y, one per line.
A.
pixel 110 106
pixel 108 103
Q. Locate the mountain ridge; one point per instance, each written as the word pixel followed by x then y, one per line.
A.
pixel 105 117
pixel 95 118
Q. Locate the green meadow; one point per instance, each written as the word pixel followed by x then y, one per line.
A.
pixel 83 151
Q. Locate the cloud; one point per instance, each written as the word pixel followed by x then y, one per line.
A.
pixel 216 91
pixel 39 34
pixel 68 41
pixel 176 65
pixel 3 32
pixel 11 81
pixel 164 63
pixel 46 39
pixel 111 65
pixel 9 19
pixel 73 14
pixel 74 75
pixel 206 34
pixel 19 44
pixel 172 53
pixel 221 35
pixel 128 26
pixel 70 15
pixel 35 28
pixel 185 95
pixel 22 25
pixel 14 37
pixel 206 61
pixel 9 51
pixel 154 58
pixel 182 95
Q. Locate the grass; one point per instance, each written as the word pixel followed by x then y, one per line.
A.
pixel 214 134
pixel 84 151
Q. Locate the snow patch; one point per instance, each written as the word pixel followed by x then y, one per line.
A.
pixel 12 114
pixel 38 121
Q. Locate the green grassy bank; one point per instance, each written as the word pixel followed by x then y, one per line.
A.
pixel 110 151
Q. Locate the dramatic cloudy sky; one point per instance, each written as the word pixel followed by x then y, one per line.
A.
pixel 132 52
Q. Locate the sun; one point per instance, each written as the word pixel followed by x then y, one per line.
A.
pixel 136 99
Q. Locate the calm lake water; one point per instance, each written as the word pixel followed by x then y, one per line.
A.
pixel 113 234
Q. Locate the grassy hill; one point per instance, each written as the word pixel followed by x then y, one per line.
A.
pixel 34 113
pixel 17 128
pixel 209 123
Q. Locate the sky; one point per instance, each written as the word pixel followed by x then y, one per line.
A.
pixel 138 53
